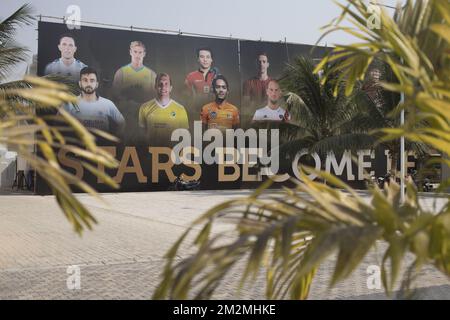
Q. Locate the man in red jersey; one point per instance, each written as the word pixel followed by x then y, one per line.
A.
pixel 199 82
pixel 255 87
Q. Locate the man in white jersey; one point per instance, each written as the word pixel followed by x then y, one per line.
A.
pixel 273 111
pixel 67 65
pixel 94 111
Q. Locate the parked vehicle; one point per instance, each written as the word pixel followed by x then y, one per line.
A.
pixel 180 184
pixel 426 185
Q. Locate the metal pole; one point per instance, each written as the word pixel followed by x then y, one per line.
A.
pixel 402 154
pixel 402 122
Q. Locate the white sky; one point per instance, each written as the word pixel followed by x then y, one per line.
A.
pixel 298 21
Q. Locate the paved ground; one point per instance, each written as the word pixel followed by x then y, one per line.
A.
pixel 122 257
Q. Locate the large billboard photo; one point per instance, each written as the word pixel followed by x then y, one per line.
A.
pixel 177 103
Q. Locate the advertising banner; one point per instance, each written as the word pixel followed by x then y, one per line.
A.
pixel 206 109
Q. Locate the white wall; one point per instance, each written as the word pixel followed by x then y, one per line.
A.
pixel 7 167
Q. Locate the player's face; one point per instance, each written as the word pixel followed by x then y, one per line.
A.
pixel 67 48
pixel 163 87
pixel 137 54
pixel 221 89
pixel 88 83
pixel 262 63
pixel 273 92
pixel 375 75
pixel 205 59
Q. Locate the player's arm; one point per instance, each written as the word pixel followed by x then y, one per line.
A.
pixel 66 107
pixel 189 86
pixel 204 118
pixel 118 119
pixel 246 94
pixel 236 120
pixel 142 124
pixel 184 120
pixel 287 116
pixel 118 78
pixel 247 91
pixel 255 116
pixel 48 69
pixel 153 77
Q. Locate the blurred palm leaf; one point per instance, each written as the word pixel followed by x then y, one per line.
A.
pixel 326 120
pixel 320 121
pixel 291 234
pixel 10 52
pixel 21 126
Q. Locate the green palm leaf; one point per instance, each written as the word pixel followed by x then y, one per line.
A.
pixel 21 127
pixel 289 235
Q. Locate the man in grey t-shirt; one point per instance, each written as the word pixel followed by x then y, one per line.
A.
pixel 94 111
pixel 66 65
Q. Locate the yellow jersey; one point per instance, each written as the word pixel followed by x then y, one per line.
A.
pixel 159 121
pixel 143 77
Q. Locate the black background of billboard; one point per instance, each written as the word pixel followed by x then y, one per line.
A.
pixel 107 50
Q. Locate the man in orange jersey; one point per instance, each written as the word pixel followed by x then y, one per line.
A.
pixel 220 113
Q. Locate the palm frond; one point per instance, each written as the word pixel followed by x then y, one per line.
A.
pixel 9 57
pixel 21 128
pixel 10 52
pixel 343 142
pixel 21 17
pixel 289 235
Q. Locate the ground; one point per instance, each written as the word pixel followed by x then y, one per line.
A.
pixel 122 257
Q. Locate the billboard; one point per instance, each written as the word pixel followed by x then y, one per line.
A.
pixel 177 103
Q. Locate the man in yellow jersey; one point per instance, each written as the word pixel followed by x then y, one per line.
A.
pixel 220 113
pixel 160 116
pixel 134 79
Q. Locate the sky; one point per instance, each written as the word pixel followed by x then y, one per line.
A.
pixel 297 21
